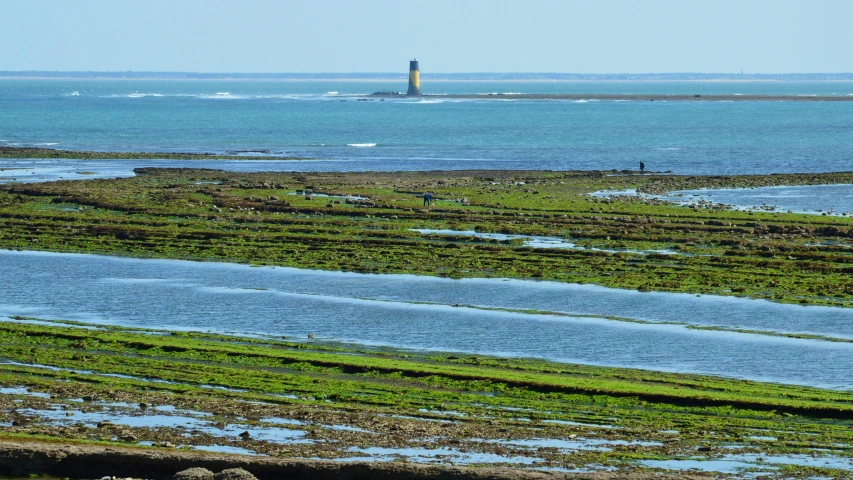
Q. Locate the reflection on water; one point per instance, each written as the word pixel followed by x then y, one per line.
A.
pixel 183 419
pixel 439 314
pixel 434 455
pixel 829 199
pixel 593 444
pixel 755 462
pixel 533 241
pixel 22 391
pixel 812 199
pixel 49 170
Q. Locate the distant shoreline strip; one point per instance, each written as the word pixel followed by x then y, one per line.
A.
pixel 623 96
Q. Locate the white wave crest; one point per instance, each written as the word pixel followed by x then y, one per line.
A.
pixel 141 95
pixel 361 144
pixel 218 96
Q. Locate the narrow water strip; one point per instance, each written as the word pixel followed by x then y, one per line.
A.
pixel 484 316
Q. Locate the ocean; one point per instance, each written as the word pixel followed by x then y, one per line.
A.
pixel 314 119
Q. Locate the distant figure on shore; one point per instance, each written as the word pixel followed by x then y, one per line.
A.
pixel 642 167
pixel 427 199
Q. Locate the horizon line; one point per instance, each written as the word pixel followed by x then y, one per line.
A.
pixel 395 74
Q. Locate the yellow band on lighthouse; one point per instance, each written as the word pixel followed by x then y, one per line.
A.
pixel 414 79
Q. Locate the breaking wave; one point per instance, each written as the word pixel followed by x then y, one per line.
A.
pixel 134 95
pixel 227 95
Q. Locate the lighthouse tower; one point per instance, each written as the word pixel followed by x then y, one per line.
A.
pixel 414 79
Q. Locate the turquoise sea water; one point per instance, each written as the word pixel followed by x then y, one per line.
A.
pixel 307 118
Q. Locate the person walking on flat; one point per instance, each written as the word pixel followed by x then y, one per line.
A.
pixel 642 167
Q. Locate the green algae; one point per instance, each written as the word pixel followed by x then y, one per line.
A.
pixel 257 218
pixel 386 390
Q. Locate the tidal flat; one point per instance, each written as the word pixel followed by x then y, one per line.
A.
pixel 96 384
pixel 159 390
pixel 370 222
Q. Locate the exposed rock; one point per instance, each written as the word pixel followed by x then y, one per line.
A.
pixel 195 473
pixel 235 474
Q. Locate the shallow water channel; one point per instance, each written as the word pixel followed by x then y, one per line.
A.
pixel 532 241
pixel 811 199
pixel 829 199
pixel 485 316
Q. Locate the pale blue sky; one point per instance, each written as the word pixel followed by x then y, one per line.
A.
pixel 604 36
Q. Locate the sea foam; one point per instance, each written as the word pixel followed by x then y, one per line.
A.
pixel 140 95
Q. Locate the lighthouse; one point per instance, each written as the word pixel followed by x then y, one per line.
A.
pixel 414 79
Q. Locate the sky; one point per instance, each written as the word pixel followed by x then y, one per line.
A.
pixel 446 36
